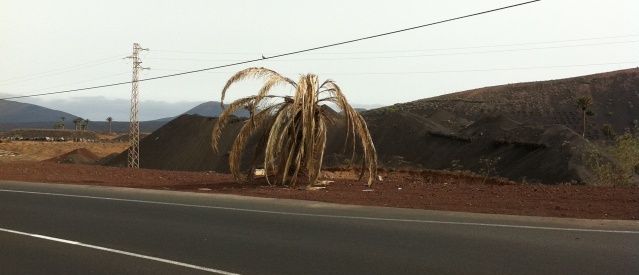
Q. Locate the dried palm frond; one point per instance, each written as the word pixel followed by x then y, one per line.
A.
pixel 294 129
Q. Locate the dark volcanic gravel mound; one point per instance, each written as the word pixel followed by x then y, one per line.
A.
pixel 548 154
pixel 403 140
pixel 184 144
pixel 77 156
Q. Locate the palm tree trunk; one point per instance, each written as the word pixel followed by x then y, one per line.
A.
pixel 583 134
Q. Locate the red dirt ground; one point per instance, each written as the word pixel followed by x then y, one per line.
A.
pixel 422 190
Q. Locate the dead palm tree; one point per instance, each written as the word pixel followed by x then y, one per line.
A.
pixel 584 103
pixel 109 120
pixel 294 135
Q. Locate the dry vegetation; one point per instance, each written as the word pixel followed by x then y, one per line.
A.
pixel 615 162
pixel 295 127
pixel 42 150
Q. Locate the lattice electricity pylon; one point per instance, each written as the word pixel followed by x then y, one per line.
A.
pixel 134 123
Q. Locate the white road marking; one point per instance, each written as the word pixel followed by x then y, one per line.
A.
pixel 329 216
pixel 216 271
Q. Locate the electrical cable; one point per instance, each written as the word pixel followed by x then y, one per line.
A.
pixel 406 56
pixel 414 50
pixel 58 71
pixel 485 70
pixel 450 71
pixel 282 54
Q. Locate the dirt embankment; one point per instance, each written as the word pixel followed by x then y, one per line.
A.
pixel 421 190
pixel 41 150
pixel 77 156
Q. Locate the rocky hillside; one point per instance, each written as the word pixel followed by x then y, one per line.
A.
pixel 615 102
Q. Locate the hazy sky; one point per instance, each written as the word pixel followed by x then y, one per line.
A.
pixel 47 46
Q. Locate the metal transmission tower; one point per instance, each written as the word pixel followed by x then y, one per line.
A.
pixel 134 125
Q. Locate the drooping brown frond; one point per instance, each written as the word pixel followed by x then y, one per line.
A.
pixel 271 82
pixel 338 98
pixel 224 117
pixel 243 136
pixel 355 126
pixel 275 140
pixel 255 72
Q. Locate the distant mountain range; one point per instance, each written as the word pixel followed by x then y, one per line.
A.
pixel 17 112
pixel 207 109
pixel 615 104
pixel 15 115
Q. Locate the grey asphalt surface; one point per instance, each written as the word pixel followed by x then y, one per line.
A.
pixel 269 236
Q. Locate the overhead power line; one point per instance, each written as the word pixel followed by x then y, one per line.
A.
pixel 636 62
pixel 410 56
pixel 492 45
pixel 283 54
pixel 487 69
pixel 412 50
pixel 455 53
pixel 83 81
pixel 58 71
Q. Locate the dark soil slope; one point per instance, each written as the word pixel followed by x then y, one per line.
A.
pixel 403 140
pixel 615 102
pixel 77 156
pixel 184 144
pixel 126 137
pixel 548 154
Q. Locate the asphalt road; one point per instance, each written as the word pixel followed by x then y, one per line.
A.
pixel 69 229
